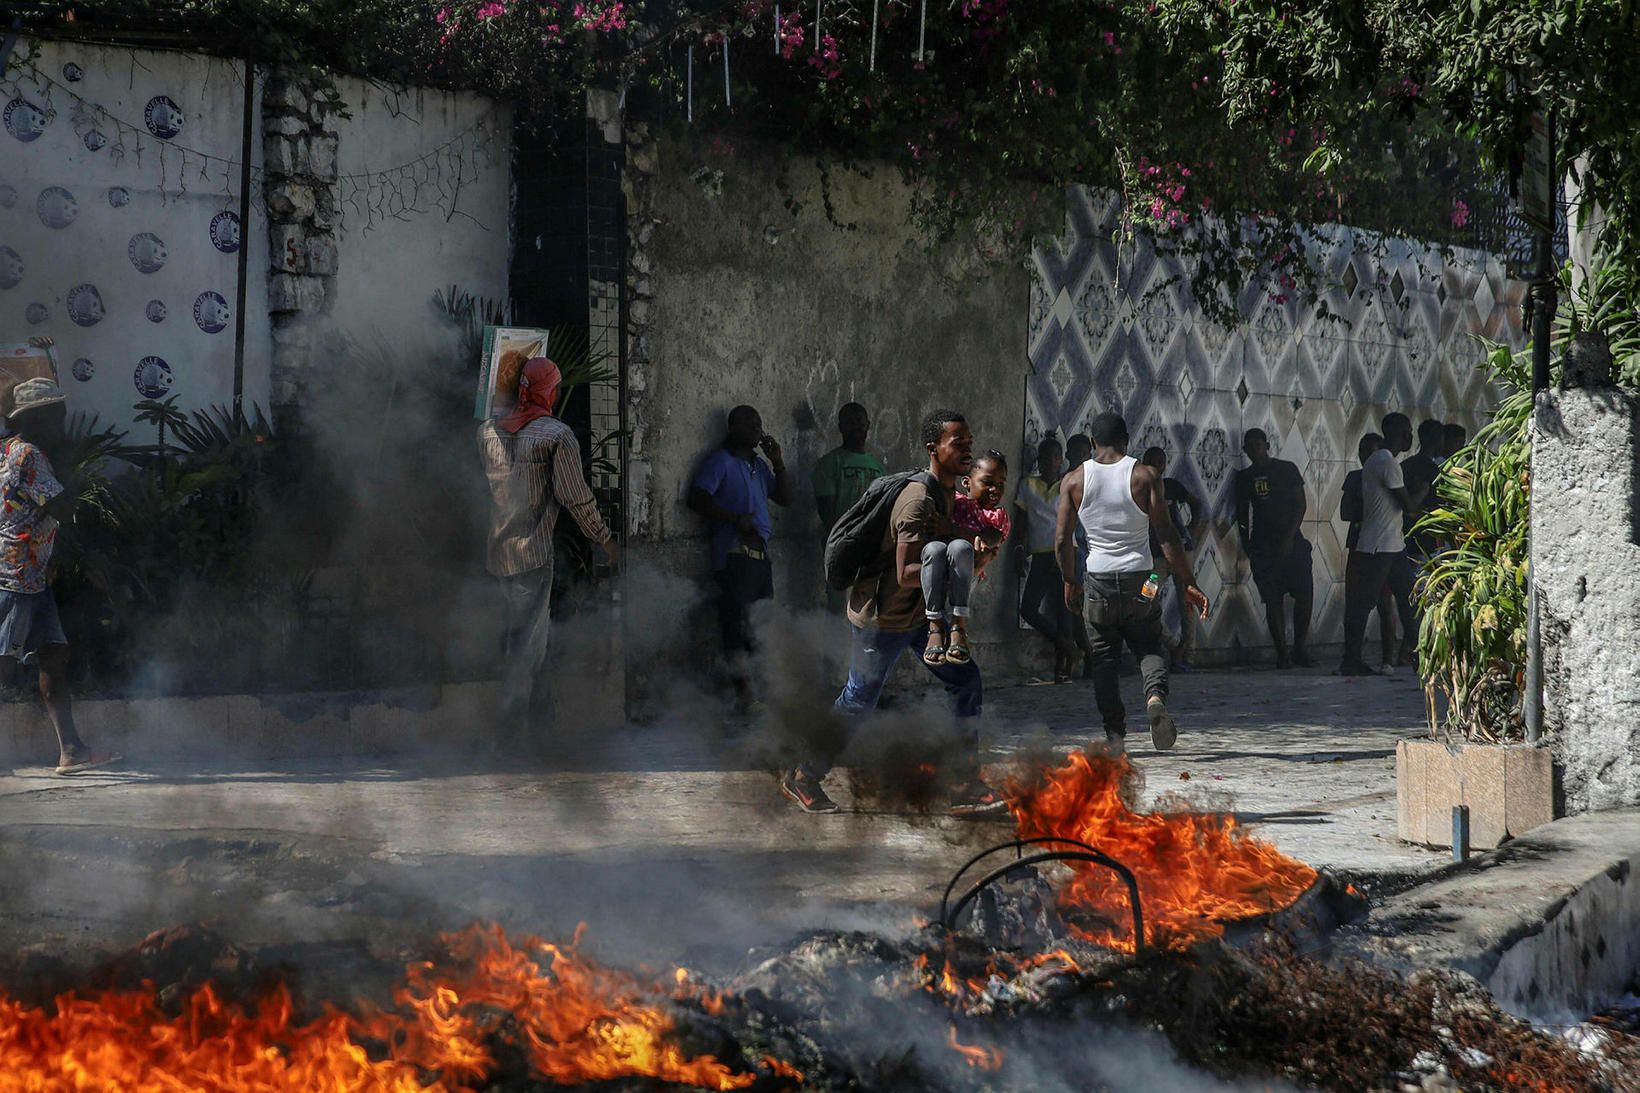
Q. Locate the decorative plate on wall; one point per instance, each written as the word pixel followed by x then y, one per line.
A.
pixel 57 207
pixel 153 377
pixel 211 312
pixel 24 120
pixel 148 252
pixel 119 196
pixel 83 369
pixel 11 268
pixel 85 305
pixel 37 313
pixel 164 117
pixel 8 197
pixel 155 311
pixel 225 231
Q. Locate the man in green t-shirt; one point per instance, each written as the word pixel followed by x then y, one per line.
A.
pixel 842 474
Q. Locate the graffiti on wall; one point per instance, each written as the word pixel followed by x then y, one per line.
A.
pixel 119 222
pixel 893 424
pixel 1116 329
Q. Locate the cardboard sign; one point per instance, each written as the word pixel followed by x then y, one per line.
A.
pixel 19 362
pixel 506 350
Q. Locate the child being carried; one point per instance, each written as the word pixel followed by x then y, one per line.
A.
pixel 979 526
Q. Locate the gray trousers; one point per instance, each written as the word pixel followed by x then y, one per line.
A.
pixel 947 578
pixel 526 682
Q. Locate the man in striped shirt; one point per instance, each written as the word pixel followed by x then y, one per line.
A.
pixel 533 462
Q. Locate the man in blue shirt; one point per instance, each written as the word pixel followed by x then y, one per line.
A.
pixel 732 490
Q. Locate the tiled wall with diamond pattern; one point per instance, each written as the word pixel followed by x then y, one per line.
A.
pixel 1116 328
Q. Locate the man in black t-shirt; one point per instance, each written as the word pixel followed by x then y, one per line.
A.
pixel 1270 507
pixel 1420 472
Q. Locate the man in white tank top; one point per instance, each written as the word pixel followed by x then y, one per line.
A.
pixel 1119 502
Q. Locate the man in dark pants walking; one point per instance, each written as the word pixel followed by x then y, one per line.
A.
pixel 732 490
pixel 887 616
pixel 1385 499
pixel 1270 507
pixel 1119 502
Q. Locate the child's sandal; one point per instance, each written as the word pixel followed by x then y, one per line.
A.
pixel 958 653
pixel 935 655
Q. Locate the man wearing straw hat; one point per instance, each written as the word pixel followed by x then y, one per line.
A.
pixel 32 504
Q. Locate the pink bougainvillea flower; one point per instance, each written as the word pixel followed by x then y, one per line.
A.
pixel 1460 213
pixel 491 10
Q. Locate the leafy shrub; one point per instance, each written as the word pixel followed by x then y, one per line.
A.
pixel 1472 645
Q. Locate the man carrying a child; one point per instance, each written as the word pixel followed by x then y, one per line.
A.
pixel 888 615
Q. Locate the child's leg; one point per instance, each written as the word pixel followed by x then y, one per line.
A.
pixel 960 563
pixel 936 582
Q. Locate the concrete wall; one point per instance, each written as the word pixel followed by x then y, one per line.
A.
pixel 116 204
pixel 1117 328
pixel 1585 554
pixel 735 299
pixel 423 203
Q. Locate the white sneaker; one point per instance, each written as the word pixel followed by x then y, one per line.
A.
pixel 1385 669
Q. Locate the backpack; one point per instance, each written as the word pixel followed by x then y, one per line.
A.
pixel 856 540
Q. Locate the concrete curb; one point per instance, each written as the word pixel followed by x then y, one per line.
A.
pixel 1550 922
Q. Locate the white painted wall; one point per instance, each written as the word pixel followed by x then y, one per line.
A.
pixel 175 192
pixel 417 231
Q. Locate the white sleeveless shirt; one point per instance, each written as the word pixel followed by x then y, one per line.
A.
pixel 1118 530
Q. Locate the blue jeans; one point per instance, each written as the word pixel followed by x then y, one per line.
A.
pixel 874 655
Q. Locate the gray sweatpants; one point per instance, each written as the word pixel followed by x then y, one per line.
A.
pixel 526 682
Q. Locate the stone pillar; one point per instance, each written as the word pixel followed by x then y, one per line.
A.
pixel 1586 558
pixel 299 186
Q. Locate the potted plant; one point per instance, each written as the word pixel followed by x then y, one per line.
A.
pixel 1473 596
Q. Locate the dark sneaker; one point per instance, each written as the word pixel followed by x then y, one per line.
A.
pixel 1163 729
pixel 977 799
pixel 1353 670
pixel 1113 746
pixel 1303 659
pixel 809 794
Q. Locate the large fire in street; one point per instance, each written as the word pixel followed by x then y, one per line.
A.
pixel 1196 870
pixel 572 1019
pixel 488 1009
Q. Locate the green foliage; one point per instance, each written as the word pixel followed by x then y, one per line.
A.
pixel 1474 68
pixel 1472 641
pixel 156 520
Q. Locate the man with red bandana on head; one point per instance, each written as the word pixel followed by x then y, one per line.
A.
pixel 533 462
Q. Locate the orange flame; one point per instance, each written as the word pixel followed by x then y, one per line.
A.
pixel 575 1021
pixel 983 1058
pixel 1195 870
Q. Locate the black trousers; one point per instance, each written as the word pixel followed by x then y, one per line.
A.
pixel 1377 570
pixel 1042 604
pixel 1115 612
pixel 742 582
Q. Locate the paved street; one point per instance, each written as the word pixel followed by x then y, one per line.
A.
pixel 667 843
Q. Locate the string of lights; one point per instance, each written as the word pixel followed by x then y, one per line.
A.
pixel 430 183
